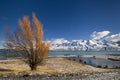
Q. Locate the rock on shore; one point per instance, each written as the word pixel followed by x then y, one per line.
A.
pixel 98 76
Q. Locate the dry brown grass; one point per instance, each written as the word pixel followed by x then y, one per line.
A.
pixel 52 65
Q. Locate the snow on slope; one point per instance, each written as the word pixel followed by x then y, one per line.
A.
pixel 110 43
pixel 100 41
pixel 84 45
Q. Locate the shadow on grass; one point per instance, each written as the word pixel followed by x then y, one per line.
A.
pixel 1 69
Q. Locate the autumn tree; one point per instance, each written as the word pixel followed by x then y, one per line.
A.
pixel 27 42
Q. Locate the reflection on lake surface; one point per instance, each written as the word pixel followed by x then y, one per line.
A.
pixel 98 60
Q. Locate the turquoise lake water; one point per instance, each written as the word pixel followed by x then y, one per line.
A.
pixel 57 53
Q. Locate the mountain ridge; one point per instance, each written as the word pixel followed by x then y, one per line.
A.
pixel 84 45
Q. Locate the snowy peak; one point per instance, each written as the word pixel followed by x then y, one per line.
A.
pixel 100 41
pixel 84 45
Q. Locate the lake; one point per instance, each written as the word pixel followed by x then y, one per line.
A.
pixel 93 58
pixel 100 60
pixel 61 53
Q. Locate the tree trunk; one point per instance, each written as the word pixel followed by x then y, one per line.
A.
pixel 33 66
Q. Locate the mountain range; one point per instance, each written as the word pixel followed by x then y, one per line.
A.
pixel 100 41
pixel 84 45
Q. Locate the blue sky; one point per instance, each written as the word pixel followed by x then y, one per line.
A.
pixel 69 19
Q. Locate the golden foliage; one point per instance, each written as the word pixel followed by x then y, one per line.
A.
pixel 28 39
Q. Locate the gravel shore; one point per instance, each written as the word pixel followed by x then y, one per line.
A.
pixel 56 69
pixel 98 76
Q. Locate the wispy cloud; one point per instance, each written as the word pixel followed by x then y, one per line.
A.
pixel 114 38
pixel 60 40
pixel 99 35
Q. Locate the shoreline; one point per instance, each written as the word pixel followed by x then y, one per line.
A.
pixel 63 76
pixel 56 69
pixel 102 56
pixel 100 61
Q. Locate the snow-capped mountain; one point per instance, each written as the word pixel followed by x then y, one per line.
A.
pixel 100 41
pixel 84 45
